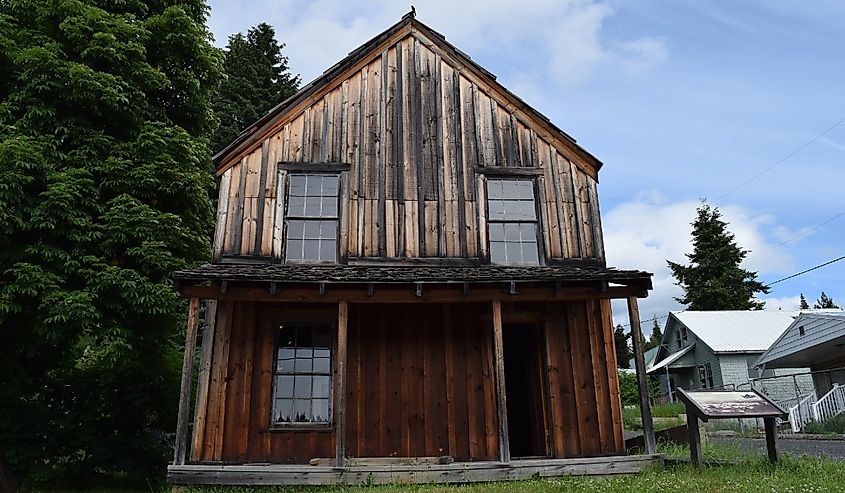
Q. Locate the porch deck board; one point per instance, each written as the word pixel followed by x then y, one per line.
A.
pixel 457 472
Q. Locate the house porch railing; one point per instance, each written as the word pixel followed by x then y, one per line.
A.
pixel 830 404
pixel 803 412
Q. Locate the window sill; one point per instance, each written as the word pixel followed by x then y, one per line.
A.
pixel 301 427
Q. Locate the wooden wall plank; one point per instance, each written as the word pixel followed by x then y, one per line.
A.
pixel 222 214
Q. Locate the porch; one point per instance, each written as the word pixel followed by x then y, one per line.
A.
pixel 381 473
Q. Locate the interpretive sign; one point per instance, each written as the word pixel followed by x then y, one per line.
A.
pixel 719 404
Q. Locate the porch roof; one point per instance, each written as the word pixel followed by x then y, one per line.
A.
pixel 311 273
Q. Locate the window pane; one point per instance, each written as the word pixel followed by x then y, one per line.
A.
pixel 311 250
pixel 295 249
pixel 526 189
pixel 297 185
pixel 285 353
pixel 328 229
pixel 321 411
pixel 528 231
pixel 529 252
pixel 312 230
pixel 287 337
pixel 330 186
pixel 302 410
pixel 497 251
pixel 322 387
pixel 283 412
pixel 494 189
pixel 322 365
pixel 284 386
pixel 322 339
pixel 313 185
pixel 525 210
pixel 509 189
pixel 296 228
pixel 285 366
pixel 329 207
pixel 328 250
pixel 513 252
pixel 497 232
pixel 511 232
pixel 303 351
pixel 296 206
pixel 302 386
pixel 312 206
pixel 496 209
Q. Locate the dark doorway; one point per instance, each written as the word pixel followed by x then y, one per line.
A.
pixel 525 388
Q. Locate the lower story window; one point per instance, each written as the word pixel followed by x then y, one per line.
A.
pixel 302 382
pixel 705 375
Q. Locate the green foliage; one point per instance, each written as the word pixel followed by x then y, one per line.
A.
pixel 714 279
pixel 623 350
pixel 802 303
pixel 628 387
pixel 656 336
pixel 824 301
pixel 835 425
pixel 104 183
pixel 256 79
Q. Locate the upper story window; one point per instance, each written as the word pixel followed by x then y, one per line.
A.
pixel 681 337
pixel 302 382
pixel 312 218
pixel 512 221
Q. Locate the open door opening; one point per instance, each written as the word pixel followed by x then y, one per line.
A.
pixel 524 350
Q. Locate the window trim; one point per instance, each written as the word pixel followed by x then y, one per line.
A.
pixel 303 171
pixel 308 425
pixel 538 215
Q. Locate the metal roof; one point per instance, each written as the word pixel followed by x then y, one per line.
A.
pixel 738 331
pixel 811 338
pixel 669 359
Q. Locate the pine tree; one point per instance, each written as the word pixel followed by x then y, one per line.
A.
pixel 714 279
pixel 824 301
pixel 623 351
pixel 257 78
pixel 104 187
pixel 802 303
pixel 656 336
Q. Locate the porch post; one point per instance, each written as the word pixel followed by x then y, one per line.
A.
pixel 501 398
pixel 642 385
pixel 340 427
pixel 187 379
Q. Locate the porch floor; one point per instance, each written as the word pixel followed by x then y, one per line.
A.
pixel 457 472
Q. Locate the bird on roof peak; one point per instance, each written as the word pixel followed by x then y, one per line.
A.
pixel 412 14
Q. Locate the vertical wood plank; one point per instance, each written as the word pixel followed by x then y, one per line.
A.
pixel 187 381
pixel 612 375
pixel 501 397
pixel 222 210
pixel 203 380
pixel 600 378
pixel 340 427
pixel 262 183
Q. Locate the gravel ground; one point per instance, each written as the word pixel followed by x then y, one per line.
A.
pixel 835 449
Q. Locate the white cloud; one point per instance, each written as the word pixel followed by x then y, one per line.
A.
pixel 784 303
pixel 649 230
pixel 562 38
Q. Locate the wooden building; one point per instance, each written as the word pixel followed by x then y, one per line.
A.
pixel 408 283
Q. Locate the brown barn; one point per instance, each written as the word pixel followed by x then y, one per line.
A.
pixel 408 284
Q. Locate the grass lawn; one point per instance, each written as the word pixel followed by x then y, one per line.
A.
pixel 750 473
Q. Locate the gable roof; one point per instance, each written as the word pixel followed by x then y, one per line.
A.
pixel 822 333
pixel 252 136
pixel 735 331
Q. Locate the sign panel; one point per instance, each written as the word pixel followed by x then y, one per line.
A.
pixel 730 404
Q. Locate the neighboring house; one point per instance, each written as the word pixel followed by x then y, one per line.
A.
pixel 720 349
pixel 649 356
pixel 816 341
pixel 408 264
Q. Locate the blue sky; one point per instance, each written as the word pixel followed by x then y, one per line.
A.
pixel 680 99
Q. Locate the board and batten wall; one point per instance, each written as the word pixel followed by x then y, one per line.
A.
pixel 415 129
pixel 417 389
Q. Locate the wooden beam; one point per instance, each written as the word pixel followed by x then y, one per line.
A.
pixel 642 384
pixel 203 379
pixel 403 293
pixel 187 380
pixel 771 439
pixel 694 438
pixel 314 167
pixel 340 385
pixel 501 397
pixel 528 172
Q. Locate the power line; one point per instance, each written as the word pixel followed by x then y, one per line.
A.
pixel 752 178
pixel 819 266
pixel 807 270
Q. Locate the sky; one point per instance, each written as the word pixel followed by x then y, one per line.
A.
pixel 738 103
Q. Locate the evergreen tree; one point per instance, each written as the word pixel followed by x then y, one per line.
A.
pixel 656 336
pixel 802 303
pixel 623 351
pixel 256 79
pixel 714 279
pixel 104 191
pixel 824 301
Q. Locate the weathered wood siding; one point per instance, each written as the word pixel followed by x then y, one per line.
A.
pixel 422 387
pixel 413 125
